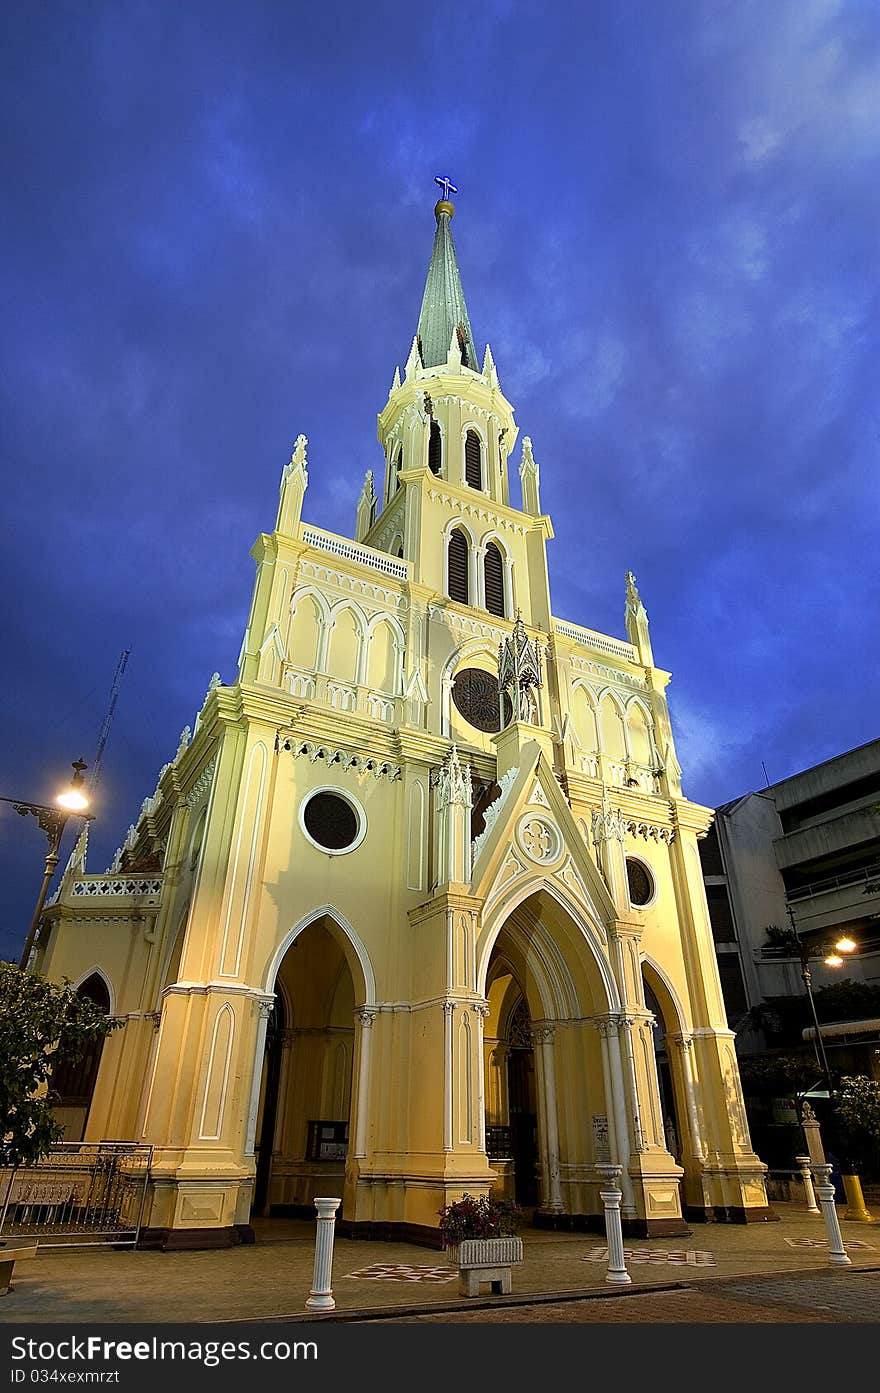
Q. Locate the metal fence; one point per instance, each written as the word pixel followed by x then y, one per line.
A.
pixel 82 1194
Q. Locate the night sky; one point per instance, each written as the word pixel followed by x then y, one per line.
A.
pixel 216 224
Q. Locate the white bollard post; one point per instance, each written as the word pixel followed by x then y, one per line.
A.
pixel 803 1165
pixel 837 1254
pixel 611 1198
pixel 321 1294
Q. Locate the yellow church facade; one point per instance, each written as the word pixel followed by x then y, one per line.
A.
pixel 416 909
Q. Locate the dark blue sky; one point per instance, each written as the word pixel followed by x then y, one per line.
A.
pixel 216 226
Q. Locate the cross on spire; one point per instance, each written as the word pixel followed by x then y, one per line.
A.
pixel 446 185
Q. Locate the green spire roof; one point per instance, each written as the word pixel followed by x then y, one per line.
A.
pixel 443 308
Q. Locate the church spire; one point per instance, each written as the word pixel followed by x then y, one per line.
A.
pixel 444 313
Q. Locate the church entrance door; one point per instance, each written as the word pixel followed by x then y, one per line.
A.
pixel 305 1104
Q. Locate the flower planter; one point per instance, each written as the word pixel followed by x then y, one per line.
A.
pixel 485 1260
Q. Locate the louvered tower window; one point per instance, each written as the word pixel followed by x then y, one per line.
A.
pixel 493 574
pixel 398 465
pixel 435 449
pixel 458 567
pixel 473 460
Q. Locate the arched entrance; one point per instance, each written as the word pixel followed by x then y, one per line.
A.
pixel 305 1114
pixel 545 1074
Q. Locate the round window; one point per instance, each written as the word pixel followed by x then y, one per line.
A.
pixel 333 822
pixel 641 884
pixel 475 694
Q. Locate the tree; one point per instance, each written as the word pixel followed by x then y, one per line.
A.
pixel 778 1075
pixel 857 1123
pixel 41 1022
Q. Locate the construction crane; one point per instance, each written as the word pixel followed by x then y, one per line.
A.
pixel 95 773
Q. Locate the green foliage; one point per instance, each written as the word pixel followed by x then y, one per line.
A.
pixel 848 1000
pixel 472 1217
pixel 778 1075
pixel 857 1123
pixel 780 935
pixel 41 1022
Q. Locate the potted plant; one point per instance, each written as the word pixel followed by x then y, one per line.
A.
pixel 480 1235
pixel 856 1121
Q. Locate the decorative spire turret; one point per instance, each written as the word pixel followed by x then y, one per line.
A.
pixel 454 801
pixel 530 479
pixel 519 674
pixel 366 508
pixel 636 618
pixel 443 320
pixel 294 482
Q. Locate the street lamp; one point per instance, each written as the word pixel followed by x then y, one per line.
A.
pixel 831 958
pixel 71 803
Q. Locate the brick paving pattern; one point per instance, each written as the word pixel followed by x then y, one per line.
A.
pixel 797 1300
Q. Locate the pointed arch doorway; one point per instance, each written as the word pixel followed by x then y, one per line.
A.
pixel 545 1077
pixel 304 1123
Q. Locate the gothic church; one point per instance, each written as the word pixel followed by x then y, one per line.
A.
pixel 416 908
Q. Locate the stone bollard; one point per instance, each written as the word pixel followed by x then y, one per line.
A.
pixel 321 1294
pixel 803 1164
pixel 610 1198
pixel 837 1254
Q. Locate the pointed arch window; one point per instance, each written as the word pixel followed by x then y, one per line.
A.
pixel 473 460
pixel 435 449
pixel 457 559
pixel 493 576
pixel 398 465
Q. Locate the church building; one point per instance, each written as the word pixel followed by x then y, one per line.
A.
pixel 417 908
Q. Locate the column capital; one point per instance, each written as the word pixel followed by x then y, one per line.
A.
pixel 606 1026
pixel 542 1032
pixel 365 1015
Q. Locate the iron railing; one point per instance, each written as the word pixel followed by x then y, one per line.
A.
pixel 82 1194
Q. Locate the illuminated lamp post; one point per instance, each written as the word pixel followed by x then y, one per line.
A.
pixel 52 820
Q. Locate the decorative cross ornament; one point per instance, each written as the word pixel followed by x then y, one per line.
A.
pixel 446 185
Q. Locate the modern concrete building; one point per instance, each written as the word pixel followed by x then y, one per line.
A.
pixel 807 850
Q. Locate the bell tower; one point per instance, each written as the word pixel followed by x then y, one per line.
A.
pixel 447 432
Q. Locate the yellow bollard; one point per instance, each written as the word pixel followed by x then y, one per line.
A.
pixel 855 1201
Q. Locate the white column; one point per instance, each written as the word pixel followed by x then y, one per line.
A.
pixel 685 1044
pixel 610 1197
pixel 657 1109
pixel 481 1010
pixel 803 1164
pixel 544 1035
pixel 509 597
pixel 618 1106
pixel 321 1294
pixel 629 1065
pixel 257 1076
pixel 837 1254
pixel 448 1012
pixel 366 1016
pixel 609 1105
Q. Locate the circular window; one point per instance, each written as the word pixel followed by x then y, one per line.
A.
pixel 333 821
pixel 641 884
pixel 475 694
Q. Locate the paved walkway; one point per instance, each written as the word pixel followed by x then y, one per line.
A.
pixel 270 1280
pixel 800 1298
